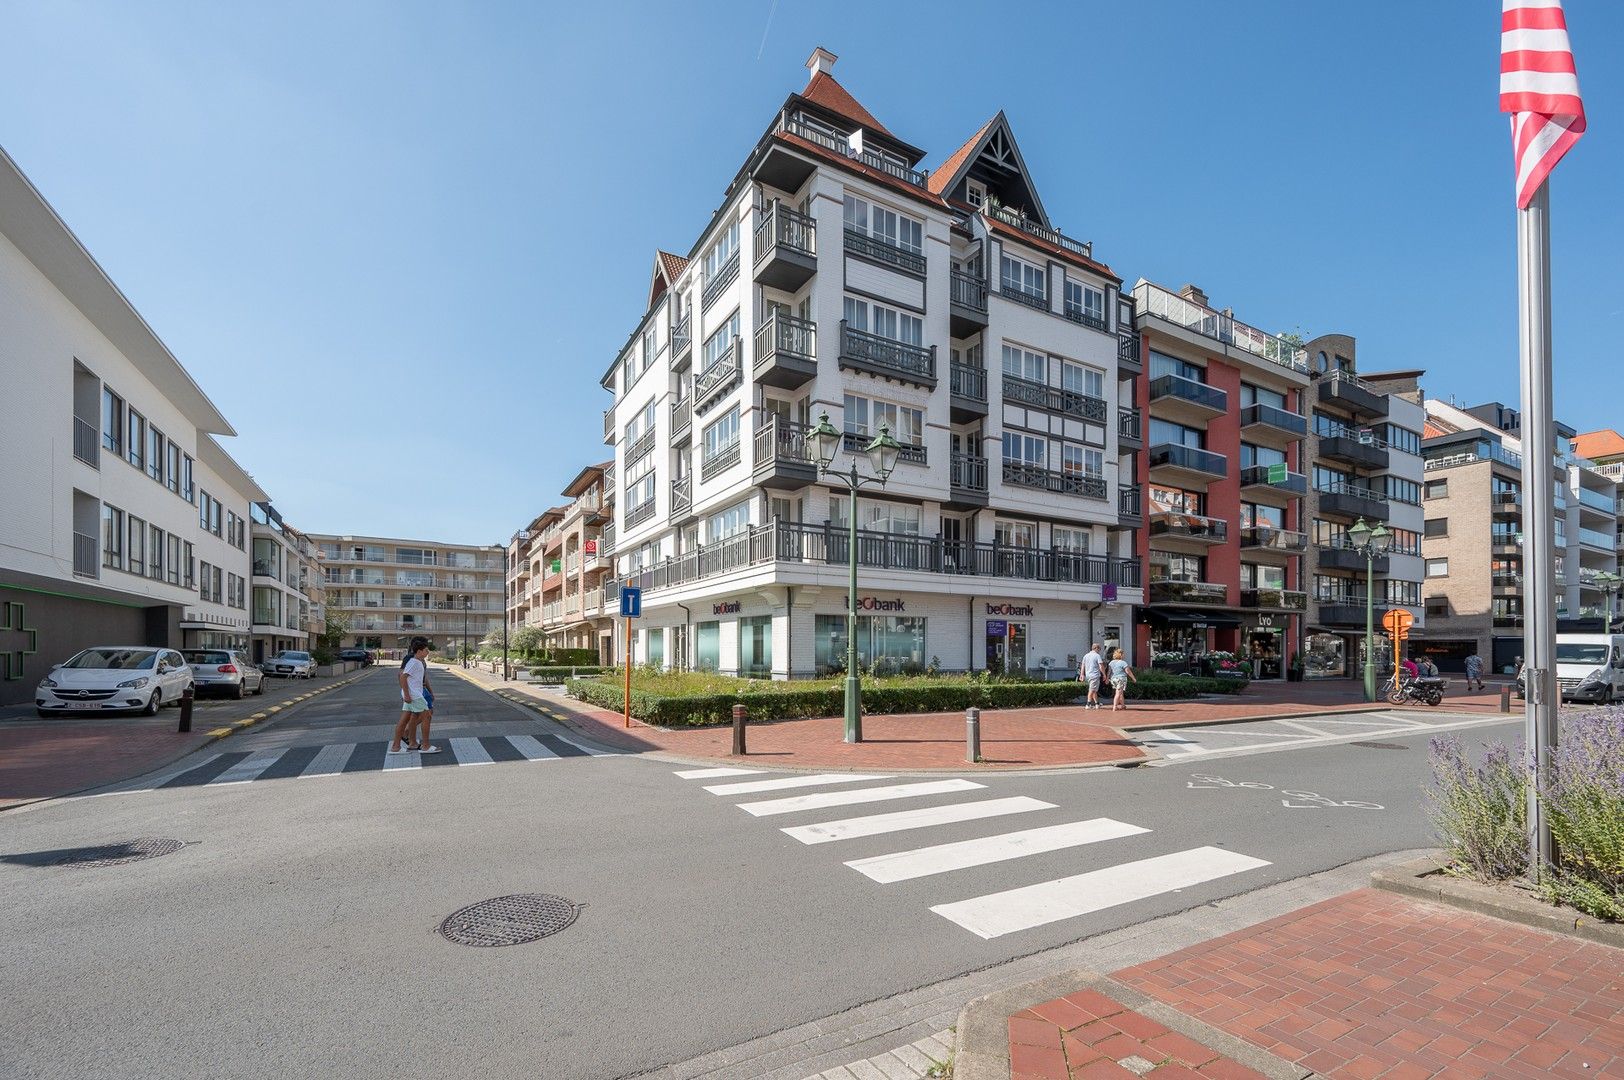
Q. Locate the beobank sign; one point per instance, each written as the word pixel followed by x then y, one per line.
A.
pixel 874 603
pixel 1010 609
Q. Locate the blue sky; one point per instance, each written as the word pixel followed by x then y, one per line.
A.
pixel 398 243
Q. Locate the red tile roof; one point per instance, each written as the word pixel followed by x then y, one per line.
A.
pixel 825 91
pixel 1430 430
pixel 945 171
pixel 673 265
pixel 1599 445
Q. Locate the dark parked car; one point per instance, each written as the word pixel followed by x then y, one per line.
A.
pixel 355 656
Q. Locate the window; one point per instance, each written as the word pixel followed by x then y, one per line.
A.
pixel 1259 576
pixel 883 321
pixel 1018 276
pixel 155 454
pixel 648 347
pixel 1168 566
pixel 1079 379
pixel 112 422
pixel 1262 395
pixel 1436 527
pixel 189 565
pixel 1437 568
pixel 975 193
pixel 1437 607
pixel 1177 500
pixel 717 345
pixel 1080 460
pixel 707 646
pixel 1405 542
pixel 1254 516
pixel 1085 303
pixel 1403 440
pixel 1166 431
pixel 137 439
pixel 203 501
pixel 1437 489
pixel 172 468
pixel 654 647
pixel 206 576
pixel 1066 538
pixel 735 519
pixel 1025 364
pixel 640 488
pixel 155 554
pixel 1015 534
pixel 640 424
pixel 1025 450
pixel 722 434
pixel 883 223
pixel 1397 489
pixel 136 554
pixel 884 643
pixel 176 553
pixel 756 645
pixel 863 417
pixel 1162 364
pixel 723 251
pixel 1261 455
pixel 186 491
pixel 112 537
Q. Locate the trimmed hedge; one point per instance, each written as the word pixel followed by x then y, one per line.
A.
pixel 700 710
pixel 552 673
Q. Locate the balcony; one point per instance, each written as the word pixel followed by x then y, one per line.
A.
pixel 636 515
pixel 682 420
pixel 1504 540
pixel 1018 220
pixel 86 443
pixel 1269 538
pixel 609 430
pixel 1083 485
pixel 1188 462
pixel 1351 448
pixel 1347 557
pixel 1171 525
pixel 856 442
pixel 606 540
pixel 887 357
pixel 1271 426
pixel 1604 541
pixel 640 447
pixel 682 338
pixel 1128 361
pixel 1156 301
pixel 967 303
pixel 1348 392
pixel 783 457
pixel 788 171
pixel 1506 582
pixel 1274 599
pixel 682 495
pixel 1130 428
pixel 1035 301
pixel 967 386
pixel 967 480
pixel 1351 500
pixel 1020 391
pixel 1130 506
pixel 717 379
pixel 1505 503
pixel 715 286
pixel 880 250
pixel 263 569
pixel 1341 612
pixel 1083 317
pixel 86 562
pixel 786 351
pixel 1188 592
pixel 1264 479
pixel 1595 500
pixel 786 243
pixel 1178 398
pixel 719 462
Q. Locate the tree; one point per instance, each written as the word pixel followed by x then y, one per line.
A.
pixel 527 640
pixel 331 638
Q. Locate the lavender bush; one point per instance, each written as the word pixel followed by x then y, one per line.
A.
pixel 1481 813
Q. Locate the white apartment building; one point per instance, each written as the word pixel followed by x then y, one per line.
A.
pixel 124 521
pixel 391 590
pixel 285 604
pixel 837 278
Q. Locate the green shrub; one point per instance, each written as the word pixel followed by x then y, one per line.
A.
pixel 569 657
pixel 548 673
pixel 1158 686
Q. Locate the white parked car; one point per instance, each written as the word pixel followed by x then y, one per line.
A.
pixel 225 669
pixel 111 678
pixel 291 664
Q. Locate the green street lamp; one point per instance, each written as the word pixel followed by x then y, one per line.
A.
pixel 882 458
pixel 1373 544
pixel 1609 583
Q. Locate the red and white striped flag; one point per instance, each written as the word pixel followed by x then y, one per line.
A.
pixel 1539 88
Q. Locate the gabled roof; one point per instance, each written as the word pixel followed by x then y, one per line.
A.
pixel 667 268
pixel 824 91
pixel 585 478
pixel 948 171
pixel 1430 430
pixel 997 143
pixel 1600 445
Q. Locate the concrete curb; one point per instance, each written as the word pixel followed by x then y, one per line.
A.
pixel 981 1050
pixel 1421 879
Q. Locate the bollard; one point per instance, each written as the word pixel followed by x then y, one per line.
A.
pixel 738 730
pixel 1505 699
pixel 186 709
pixel 972 734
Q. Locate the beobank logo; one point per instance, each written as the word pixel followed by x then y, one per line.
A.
pixel 874 603
pixel 1010 609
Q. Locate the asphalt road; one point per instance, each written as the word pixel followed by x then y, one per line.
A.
pixel 294 935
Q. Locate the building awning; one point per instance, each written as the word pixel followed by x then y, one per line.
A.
pixel 1194 618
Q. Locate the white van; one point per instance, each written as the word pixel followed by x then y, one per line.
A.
pixel 1590 667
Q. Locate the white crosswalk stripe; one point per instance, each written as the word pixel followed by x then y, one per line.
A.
pixel 849 798
pixel 706 774
pixel 997 914
pixel 749 787
pixel 923 862
pixel 902 820
pixel 248 768
pixel 329 760
pixel 469 752
pixel 531 747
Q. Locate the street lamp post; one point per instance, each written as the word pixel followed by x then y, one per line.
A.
pixel 1610 583
pixel 882 456
pixel 1372 543
pixel 467 606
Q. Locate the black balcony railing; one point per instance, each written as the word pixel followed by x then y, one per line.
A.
pixel 1091 319
pixel 85 561
pixel 887 356
pixel 724 458
pixel 1018 219
pixel 1130 501
pixel 1188 390
pixel 1274 599
pixel 1130 424
pixel 1027 392
pixel 1128 350
pixel 968 291
pixel 829 545
pixel 881 250
pixel 1188 592
pixel 720 375
pixel 1270 538
pixel 1179 526
pixel 786 337
pixel 967 381
pixel 1178 456
pixel 857 442
pixel 1037 301
pixel 780 440
pixel 717 285
pixel 682 494
pixel 636 515
pixel 1279 419
pixel 779 226
pixel 1086 485
pixel 820 136
pixel 969 473
pixel 86 442
pixel 1286 483
pixel 640 447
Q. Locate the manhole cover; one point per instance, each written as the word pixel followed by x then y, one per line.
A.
pixel 125 851
pixel 1381 745
pixel 509 920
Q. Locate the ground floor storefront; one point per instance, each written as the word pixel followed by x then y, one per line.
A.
pixel 801 631
pixel 1202 641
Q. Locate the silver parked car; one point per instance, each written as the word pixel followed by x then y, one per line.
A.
pixel 111 678
pixel 291 663
pixel 227 670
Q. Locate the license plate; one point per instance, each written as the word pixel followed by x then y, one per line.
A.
pixel 84 704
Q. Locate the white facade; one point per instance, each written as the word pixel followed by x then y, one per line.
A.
pixel 849 285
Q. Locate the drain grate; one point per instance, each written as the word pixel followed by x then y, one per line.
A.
pixel 1380 745
pixel 509 920
pixel 117 854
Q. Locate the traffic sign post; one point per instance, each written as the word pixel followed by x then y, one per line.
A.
pixel 1397 623
pixel 631 607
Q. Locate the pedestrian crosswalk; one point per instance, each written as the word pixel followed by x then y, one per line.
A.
pixel 994 914
pixel 332 759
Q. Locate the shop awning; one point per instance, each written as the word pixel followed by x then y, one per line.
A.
pixel 1177 616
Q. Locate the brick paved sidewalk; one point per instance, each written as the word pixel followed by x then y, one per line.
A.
pixel 1372 984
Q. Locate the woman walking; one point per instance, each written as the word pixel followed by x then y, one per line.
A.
pixel 1120 674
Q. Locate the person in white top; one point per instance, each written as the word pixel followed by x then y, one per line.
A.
pixel 414 706
pixel 1090 673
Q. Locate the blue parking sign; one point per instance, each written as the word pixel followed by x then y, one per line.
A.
pixel 631 602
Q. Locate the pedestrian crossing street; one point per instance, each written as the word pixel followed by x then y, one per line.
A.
pixel 333 759
pixel 994 914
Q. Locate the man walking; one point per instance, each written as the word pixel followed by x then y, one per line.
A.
pixel 1474 671
pixel 414 708
pixel 1090 673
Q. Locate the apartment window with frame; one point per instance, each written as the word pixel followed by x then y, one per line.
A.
pixel 640 488
pixel 1261 455
pixel 1085 302
pixel 1404 542
pixel 155 454
pixel 206 576
pixel 722 251
pixel 172 467
pixel 1081 379
pixel 722 434
pixel 112 422
pixel 1403 440
pixel 176 552
pixel 1067 538
pixel 1399 490
pixel 1437 607
pixel 1025 450
pixel 648 347
pixel 189 564
pixel 729 522
pixel 1166 431
pixel 640 424
pixel 1255 516
pixel 863 417
pixel 186 489
pixel 155 554
pixel 203 510
pixel 883 321
pixel 1162 364
pixel 1018 275
pixel 1025 364
pixel 1262 395
pixel 136 554
pixel 717 345
pixel 1081 460
pixel 1170 566
pixel 1262 576
pixel 1437 568
pixel 1437 489
pixel 112 537
pixel 884 224
pixel 136 439
pixel 1436 527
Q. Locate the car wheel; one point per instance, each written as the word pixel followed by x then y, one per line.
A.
pixel 45 714
pixel 154 703
pixel 259 687
pixel 241 690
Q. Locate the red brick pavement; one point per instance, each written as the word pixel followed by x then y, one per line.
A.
pixel 56 757
pixel 1086 1036
pixel 1372 984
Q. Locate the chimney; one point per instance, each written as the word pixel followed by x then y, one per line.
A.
pixel 820 62
pixel 1194 294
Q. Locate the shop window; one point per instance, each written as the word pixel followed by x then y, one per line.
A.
pixel 756 645
pixel 707 646
pixel 885 644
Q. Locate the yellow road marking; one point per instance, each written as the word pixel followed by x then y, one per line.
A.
pixel 220 732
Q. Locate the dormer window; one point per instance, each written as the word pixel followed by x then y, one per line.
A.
pixel 975 193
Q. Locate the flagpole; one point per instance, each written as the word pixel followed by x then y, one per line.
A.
pixel 1539 497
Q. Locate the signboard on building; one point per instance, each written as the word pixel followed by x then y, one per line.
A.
pixel 726 607
pixel 1023 610
pixel 997 628
pixel 589 547
pixel 1277 473
pixel 875 603
pixel 1108 592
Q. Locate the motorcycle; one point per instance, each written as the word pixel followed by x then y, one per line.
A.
pixel 1422 690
